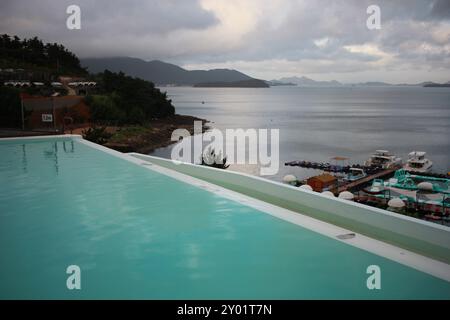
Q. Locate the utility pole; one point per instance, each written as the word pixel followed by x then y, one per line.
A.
pixel 21 105
pixel 53 113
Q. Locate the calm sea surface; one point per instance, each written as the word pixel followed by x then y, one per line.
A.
pixel 318 123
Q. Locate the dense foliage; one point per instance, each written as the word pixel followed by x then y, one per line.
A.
pixel 10 107
pixel 118 99
pixel 32 53
pixel 127 100
pixel 96 134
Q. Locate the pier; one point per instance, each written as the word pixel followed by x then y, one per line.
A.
pixel 373 172
pixel 333 167
pixel 361 182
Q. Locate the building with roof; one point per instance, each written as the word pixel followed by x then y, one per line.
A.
pixel 323 182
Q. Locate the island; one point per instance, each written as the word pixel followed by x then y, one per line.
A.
pixel 437 85
pixel 253 83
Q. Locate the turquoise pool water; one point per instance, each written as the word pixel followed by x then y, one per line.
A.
pixel 136 233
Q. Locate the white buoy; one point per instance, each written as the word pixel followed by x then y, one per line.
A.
pixel 328 194
pixel 306 187
pixel 346 195
pixel 290 179
pixel 396 203
pixel 425 186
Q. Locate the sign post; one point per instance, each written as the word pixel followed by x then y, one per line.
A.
pixel 47 117
pixel 21 106
pixel 53 113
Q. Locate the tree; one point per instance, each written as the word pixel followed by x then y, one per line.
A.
pixel 128 100
pixel 10 107
pixel 31 53
pixel 104 108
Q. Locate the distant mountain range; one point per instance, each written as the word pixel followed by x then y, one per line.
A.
pixel 307 82
pixel 162 73
pixel 439 85
pixel 252 83
pixel 275 83
pixel 421 84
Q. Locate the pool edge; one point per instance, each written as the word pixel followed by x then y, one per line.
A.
pixel 375 246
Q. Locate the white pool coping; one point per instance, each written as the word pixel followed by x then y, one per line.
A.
pixel 408 258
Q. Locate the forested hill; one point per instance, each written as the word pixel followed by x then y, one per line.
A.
pixel 34 54
pixel 41 69
pixel 162 73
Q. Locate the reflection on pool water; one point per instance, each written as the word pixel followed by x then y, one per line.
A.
pixel 137 233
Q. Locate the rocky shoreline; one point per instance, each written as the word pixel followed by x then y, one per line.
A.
pixel 156 134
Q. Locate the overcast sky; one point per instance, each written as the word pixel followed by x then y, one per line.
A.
pixel 321 39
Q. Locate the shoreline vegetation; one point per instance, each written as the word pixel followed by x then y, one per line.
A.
pixel 116 110
pixel 156 133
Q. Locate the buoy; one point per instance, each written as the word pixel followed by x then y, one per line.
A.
pixel 328 194
pixel 396 203
pixel 306 187
pixel 346 195
pixel 290 179
pixel 425 186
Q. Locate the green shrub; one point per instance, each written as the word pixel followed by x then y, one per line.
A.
pixel 104 107
pixel 211 159
pixel 97 135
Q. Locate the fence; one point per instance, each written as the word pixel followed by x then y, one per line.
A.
pixel 53 114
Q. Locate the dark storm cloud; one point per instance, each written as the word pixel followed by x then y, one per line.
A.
pixel 441 9
pixel 105 21
pixel 111 15
pixel 315 36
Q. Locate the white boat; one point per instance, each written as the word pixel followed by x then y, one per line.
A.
pixel 417 162
pixel 384 159
pixel 355 174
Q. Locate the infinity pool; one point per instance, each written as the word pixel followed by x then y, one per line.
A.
pixel 138 233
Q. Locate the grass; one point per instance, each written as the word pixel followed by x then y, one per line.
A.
pixel 126 133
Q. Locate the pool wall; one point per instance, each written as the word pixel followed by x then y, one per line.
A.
pixel 422 237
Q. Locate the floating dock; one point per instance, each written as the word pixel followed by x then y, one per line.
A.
pixel 332 167
pixel 367 179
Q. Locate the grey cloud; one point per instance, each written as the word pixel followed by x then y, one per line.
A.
pixel 114 19
pixel 185 33
pixel 441 9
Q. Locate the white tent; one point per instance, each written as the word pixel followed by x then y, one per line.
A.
pixel 346 195
pixel 425 186
pixel 290 178
pixel 396 203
